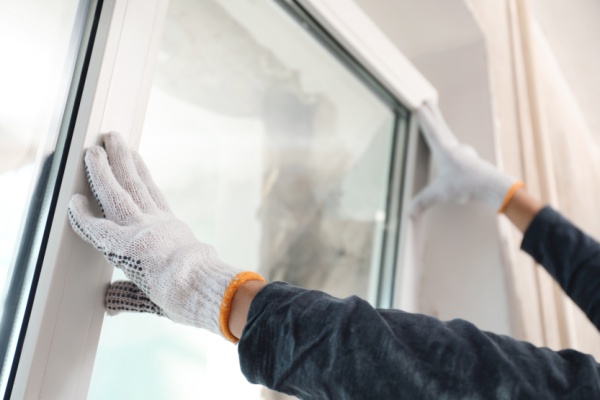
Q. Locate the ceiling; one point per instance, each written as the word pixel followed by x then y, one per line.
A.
pixel 572 29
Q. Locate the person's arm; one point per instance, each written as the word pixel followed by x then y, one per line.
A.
pixel 568 247
pixel 240 306
pixel 569 255
pixel 522 209
pixel 314 346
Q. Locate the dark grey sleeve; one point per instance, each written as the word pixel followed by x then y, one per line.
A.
pixel 570 256
pixel 314 346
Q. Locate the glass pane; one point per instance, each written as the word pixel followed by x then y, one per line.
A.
pixel 275 153
pixel 39 43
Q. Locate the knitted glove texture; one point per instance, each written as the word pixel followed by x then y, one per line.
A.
pixel 126 296
pixel 172 273
pixel 462 175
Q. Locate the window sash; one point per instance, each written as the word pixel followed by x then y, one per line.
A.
pixel 59 347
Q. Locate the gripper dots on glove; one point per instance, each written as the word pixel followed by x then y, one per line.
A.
pixel 126 296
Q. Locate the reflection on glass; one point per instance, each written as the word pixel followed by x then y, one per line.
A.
pixel 274 153
pixel 38 48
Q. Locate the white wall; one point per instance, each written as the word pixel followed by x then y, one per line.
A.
pixel 572 30
pixel 460 262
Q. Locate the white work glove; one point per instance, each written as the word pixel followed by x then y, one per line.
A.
pixel 462 175
pixel 172 273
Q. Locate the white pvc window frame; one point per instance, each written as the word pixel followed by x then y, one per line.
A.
pixel 64 327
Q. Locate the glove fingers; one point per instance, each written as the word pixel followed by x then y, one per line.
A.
pixel 125 171
pixel 428 197
pixel 91 229
pixel 438 135
pixel 146 177
pixel 126 296
pixel 116 204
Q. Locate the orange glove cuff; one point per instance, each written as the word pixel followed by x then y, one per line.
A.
pixel 227 300
pixel 509 195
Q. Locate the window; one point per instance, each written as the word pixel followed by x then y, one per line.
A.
pixel 267 136
pixel 39 43
pixel 274 151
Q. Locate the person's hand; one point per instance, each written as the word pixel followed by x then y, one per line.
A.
pixel 462 175
pixel 171 272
